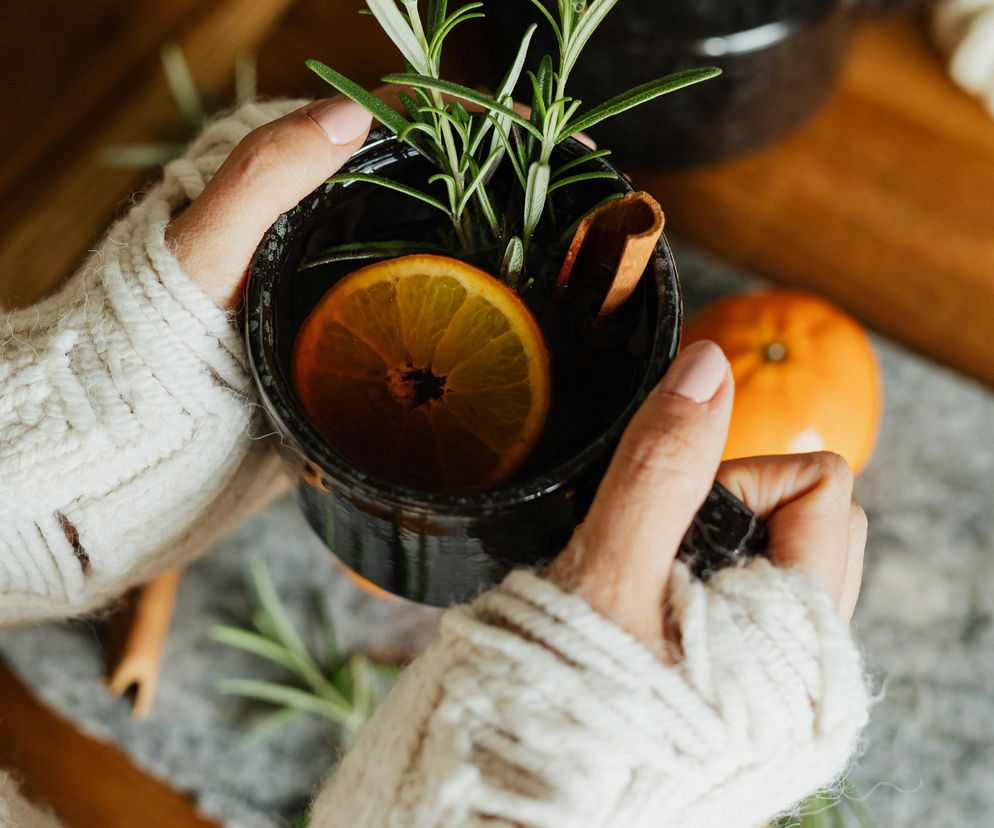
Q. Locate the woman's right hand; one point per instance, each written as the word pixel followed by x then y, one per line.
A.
pixel 620 559
pixel 268 173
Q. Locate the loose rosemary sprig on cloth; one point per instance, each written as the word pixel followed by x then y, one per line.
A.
pixel 831 809
pixel 194 107
pixel 342 688
pixel 469 147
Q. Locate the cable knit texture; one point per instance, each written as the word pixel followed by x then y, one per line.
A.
pixel 17 812
pixel 964 30
pixel 533 710
pixel 125 425
pixel 124 411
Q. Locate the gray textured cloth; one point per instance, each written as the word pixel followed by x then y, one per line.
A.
pixel 924 619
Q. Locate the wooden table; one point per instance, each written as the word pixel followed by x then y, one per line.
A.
pixel 90 79
pixel 106 88
pixel 883 203
pixel 86 782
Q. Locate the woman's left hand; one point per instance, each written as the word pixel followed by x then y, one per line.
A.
pixel 620 559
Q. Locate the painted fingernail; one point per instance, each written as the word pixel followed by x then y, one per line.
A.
pixel 697 373
pixel 342 119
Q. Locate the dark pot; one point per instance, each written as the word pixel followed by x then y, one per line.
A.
pixel 433 547
pixel 779 59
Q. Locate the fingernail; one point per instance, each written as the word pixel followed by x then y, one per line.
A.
pixel 341 118
pixel 697 372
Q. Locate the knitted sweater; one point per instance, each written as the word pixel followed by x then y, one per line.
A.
pixel 964 30
pixel 126 447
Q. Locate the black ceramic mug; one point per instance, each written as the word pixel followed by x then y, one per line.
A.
pixel 434 547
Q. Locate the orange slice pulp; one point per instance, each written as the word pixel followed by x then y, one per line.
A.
pixel 426 371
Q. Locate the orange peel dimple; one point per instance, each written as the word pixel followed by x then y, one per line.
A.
pixel 427 371
pixel 806 376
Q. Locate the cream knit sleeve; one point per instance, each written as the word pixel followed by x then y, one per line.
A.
pixel 125 412
pixel 533 710
pixel 964 30
pixel 17 812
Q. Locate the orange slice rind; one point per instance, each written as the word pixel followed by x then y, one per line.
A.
pixel 427 371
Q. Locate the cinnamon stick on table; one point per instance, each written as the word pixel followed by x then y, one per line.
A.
pixel 138 633
pixel 137 638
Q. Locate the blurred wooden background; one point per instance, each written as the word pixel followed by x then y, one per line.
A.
pixel 882 203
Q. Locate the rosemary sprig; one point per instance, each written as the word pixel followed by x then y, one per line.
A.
pixel 357 251
pixel 468 148
pixel 842 809
pixel 344 688
pixel 194 108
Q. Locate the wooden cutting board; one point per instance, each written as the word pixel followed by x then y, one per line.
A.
pixel 94 80
pixel 884 202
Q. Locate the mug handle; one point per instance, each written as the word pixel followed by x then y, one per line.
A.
pixel 724 532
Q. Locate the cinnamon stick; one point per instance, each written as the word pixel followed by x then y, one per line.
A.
pixel 137 638
pixel 612 247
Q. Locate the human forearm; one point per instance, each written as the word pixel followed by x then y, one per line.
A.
pixel 125 412
pixel 534 710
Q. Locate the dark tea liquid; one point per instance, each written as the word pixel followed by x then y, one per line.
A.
pixel 596 368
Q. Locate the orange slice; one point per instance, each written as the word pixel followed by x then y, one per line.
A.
pixel 426 371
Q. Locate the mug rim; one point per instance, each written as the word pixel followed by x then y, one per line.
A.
pixel 299 434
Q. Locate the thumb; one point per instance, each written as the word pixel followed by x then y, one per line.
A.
pixel 620 558
pixel 268 173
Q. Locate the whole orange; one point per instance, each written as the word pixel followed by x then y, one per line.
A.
pixel 806 376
